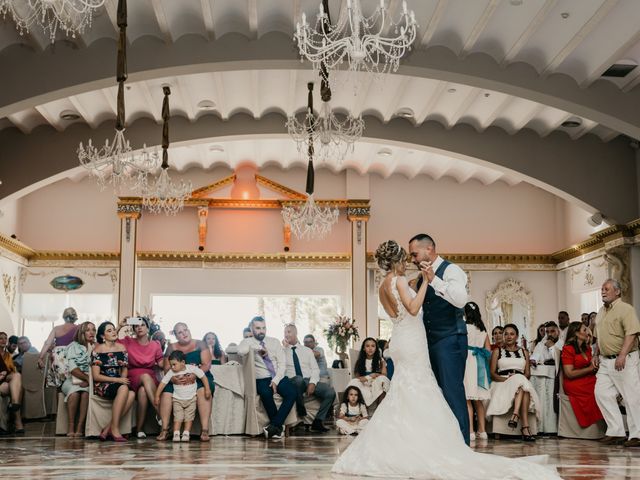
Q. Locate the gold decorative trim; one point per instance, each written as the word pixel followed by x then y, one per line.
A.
pixel 16 246
pixel 596 241
pixel 483 259
pixel 63 255
pixel 245 257
pixel 202 191
pixel 279 188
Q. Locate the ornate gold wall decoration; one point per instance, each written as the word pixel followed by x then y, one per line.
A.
pixel 9 283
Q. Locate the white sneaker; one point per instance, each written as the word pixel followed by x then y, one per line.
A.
pixel 142 435
pixel 482 436
pixel 472 437
pixel 176 436
pixel 185 436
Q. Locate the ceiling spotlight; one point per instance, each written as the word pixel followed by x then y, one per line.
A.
pixel 385 152
pixel 69 115
pixel 572 122
pixel 405 113
pixel 595 219
pixel 452 90
pixel 564 15
pixel 216 148
pixel 206 104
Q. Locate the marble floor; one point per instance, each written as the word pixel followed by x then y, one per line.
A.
pixel 40 455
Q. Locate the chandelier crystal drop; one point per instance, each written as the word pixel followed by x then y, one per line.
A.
pixel 372 44
pixel 162 194
pixel 116 163
pixel 310 221
pixel 71 16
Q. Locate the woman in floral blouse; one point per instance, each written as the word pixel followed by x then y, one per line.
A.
pixel 109 368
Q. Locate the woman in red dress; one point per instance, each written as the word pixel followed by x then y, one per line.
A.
pixel 579 371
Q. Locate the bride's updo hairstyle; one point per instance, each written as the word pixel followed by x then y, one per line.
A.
pixel 389 253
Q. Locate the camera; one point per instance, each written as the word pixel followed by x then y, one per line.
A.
pixel 134 320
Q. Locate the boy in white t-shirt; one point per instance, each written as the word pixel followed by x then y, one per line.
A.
pixel 184 396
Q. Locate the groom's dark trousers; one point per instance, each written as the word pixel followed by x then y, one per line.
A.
pixel 447 338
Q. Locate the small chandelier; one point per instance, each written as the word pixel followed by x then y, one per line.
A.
pixel 115 163
pixel 373 44
pixel 334 136
pixel 309 220
pixel 71 16
pixel 163 195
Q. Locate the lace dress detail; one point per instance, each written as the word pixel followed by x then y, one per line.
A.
pixel 420 435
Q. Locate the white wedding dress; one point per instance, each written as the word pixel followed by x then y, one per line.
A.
pixel 414 434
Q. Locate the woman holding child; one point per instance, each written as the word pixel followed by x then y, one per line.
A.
pixel 196 353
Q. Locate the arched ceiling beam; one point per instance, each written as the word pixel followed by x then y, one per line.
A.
pixel 38 78
pixel 571 169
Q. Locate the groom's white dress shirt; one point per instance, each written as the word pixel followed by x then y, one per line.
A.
pixel 308 363
pixel 453 284
pixel 276 354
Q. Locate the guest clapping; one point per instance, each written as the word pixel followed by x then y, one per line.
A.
pixel 218 356
pixel 579 369
pixel 511 387
pixel 145 359
pixel 196 354
pixel 371 372
pixel 109 367
pixel 76 385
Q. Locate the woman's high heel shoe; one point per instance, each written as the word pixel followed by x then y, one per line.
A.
pixel 513 422
pixel 527 437
pixel 104 435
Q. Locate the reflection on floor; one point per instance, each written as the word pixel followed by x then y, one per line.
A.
pixel 40 455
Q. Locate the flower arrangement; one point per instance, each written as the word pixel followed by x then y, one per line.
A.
pixel 340 332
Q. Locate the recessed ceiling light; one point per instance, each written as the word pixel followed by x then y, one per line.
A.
pixel 620 69
pixel 487 94
pixel 405 113
pixel 452 90
pixel 385 152
pixel 69 115
pixel 564 15
pixel 206 104
pixel 515 3
pixel 216 148
pixel 572 122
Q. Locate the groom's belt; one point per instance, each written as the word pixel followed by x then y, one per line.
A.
pixel 508 372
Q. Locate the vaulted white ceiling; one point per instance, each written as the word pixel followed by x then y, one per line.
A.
pixel 523 67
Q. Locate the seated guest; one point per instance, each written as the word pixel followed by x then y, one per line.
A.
pixel 55 345
pixel 511 387
pixel 270 362
pixel 10 383
pixel 543 379
pixel 496 337
pixel 353 415
pixel 196 354
pixel 579 380
pixel 370 372
pixel 477 377
pixel 302 370
pixel 218 357
pixel 76 385
pixel 12 345
pixel 109 368
pixel 247 333
pixel 318 353
pixel 145 360
pixel 540 333
pixel 24 346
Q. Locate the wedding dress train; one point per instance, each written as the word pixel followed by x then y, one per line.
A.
pixel 414 434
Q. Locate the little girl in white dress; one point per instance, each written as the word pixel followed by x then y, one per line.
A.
pixel 353 414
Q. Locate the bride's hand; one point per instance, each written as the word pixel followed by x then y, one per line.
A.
pixel 427 270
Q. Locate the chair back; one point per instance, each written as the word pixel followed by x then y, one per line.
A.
pixel 32 375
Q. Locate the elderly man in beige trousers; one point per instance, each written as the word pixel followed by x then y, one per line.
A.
pixel 617 329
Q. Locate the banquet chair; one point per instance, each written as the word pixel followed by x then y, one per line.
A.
pixel 99 414
pixel 568 426
pixel 33 399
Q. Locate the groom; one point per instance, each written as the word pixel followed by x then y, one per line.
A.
pixel 444 323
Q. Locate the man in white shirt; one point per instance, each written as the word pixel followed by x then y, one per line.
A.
pixel 544 353
pixel 543 376
pixel 270 363
pixel 303 371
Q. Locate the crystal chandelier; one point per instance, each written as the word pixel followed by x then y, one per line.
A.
pixel 309 220
pixel 334 136
pixel 115 163
pixel 71 16
pixel 372 44
pixel 163 195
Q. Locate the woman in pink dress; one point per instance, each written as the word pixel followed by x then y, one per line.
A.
pixel 145 358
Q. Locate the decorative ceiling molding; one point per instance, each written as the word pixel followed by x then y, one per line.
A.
pixel 207 189
pixel 601 102
pixel 278 188
pixel 550 163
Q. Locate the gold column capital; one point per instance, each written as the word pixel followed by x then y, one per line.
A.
pixel 130 208
pixel 359 213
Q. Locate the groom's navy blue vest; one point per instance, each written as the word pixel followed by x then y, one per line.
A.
pixel 441 319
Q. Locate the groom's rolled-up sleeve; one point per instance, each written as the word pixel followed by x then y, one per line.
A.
pixel 453 286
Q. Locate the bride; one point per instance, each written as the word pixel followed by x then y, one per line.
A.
pixel 413 433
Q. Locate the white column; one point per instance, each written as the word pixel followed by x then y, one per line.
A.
pixel 358 216
pixel 129 213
